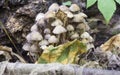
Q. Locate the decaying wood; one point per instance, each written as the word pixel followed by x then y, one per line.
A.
pixel 52 69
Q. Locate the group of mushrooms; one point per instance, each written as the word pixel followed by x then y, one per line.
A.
pixel 58 25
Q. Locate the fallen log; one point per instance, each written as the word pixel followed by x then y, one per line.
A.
pixel 51 69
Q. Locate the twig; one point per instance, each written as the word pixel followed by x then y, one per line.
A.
pixel 10 39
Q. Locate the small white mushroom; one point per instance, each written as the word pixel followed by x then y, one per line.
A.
pixel 2 52
pixel 89 46
pixel 43 47
pixel 74 8
pixel 41 23
pixel 50 17
pixel 86 38
pixel 34 48
pixel 54 7
pixel 39 16
pixel 47 31
pixel 59 29
pixel 64 8
pixel 49 14
pixel 83 15
pixel 75 36
pixel 26 47
pixel 34 28
pixel 90 39
pixel 33 54
pixel 57 22
pixel 28 37
pixel 83 26
pixel 85 35
pixel 69 14
pixel 34 36
pixel 78 18
pixel 53 39
pixel 43 42
pixel 47 36
pixel 70 28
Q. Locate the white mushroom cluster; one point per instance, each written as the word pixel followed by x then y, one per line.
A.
pixel 57 26
pixel 88 40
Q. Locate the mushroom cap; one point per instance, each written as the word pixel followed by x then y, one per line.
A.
pixel 32 54
pixel 89 46
pixel 34 36
pixel 54 7
pixel 83 15
pixel 41 22
pixel 47 31
pixel 47 36
pixel 74 8
pixel 57 22
pixel 43 47
pixel 69 14
pixel 34 28
pixel 83 26
pixel 49 14
pixel 39 16
pixel 70 28
pixel 28 37
pixel 64 8
pixel 85 35
pixel 34 48
pixel 90 39
pixel 53 39
pixel 78 18
pixel 59 29
pixel 26 47
pixel 75 36
pixel 43 42
pixel 2 52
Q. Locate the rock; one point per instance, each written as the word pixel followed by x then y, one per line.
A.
pixel 32 9
pixel 15 24
pixel 2 2
pixel 18 2
pixel 115 25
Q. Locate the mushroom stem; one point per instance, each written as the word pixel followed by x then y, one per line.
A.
pixel 54 44
pixel 59 39
pixel 63 38
pixel 31 58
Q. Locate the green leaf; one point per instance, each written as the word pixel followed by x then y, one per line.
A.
pixel 90 3
pixel 107 8
pixel 118 1
pixel 65 53
pixel 42 61
pixel 68 3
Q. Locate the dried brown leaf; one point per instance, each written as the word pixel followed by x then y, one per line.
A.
pixel 62 16
pixel 112 43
